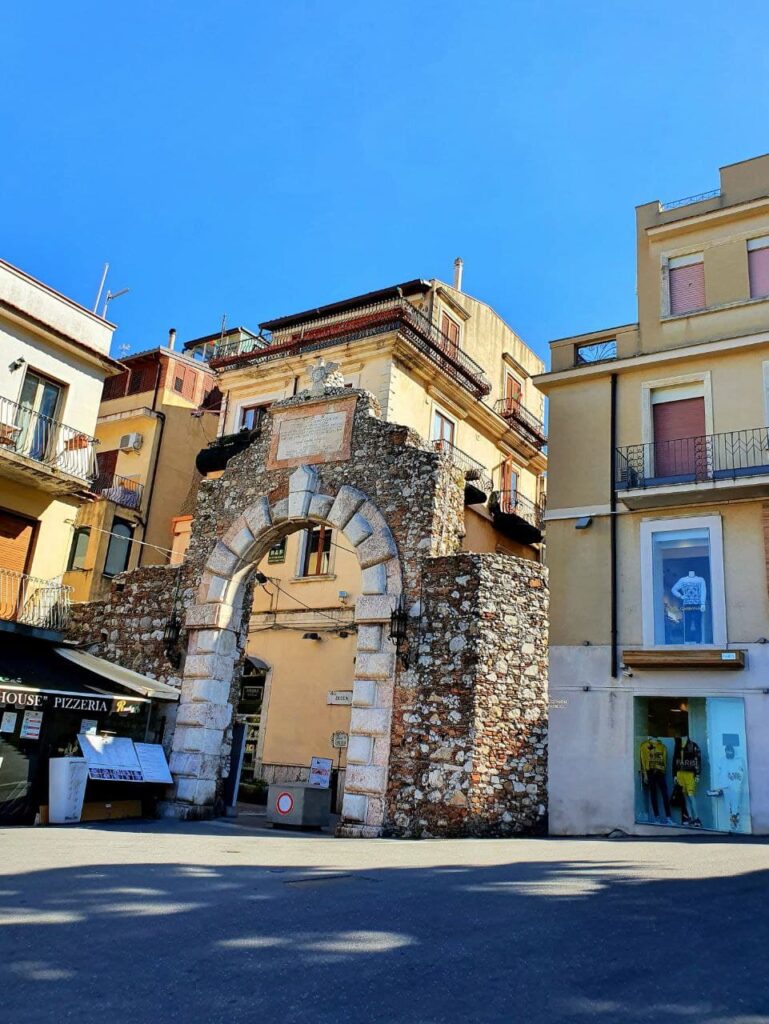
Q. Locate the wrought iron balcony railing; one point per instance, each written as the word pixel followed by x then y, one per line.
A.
pixel 119 489
pixel 32 601
pixel 41 439
pixel 728 456
pixel 513 412
pixel 511 503
pixel 474 472
pixel 378 318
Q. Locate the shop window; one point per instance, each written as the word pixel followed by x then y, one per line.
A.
pixel 119 548
pixel 682 575
pixel 277 552
pixel 316 552
pixel 79 549
pixel 691 763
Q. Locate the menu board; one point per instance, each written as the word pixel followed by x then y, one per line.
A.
pixel 111 758
pixel 30 725
pixel 320 772
pixel 152 760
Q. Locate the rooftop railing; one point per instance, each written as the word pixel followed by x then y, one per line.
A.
pixel 511 503
pixel 42 439
pixel 378 318
pixel 688 200
pixel 32 601
pixel 119 489
pixel 712 457
pixel 474 472
pixel 526 423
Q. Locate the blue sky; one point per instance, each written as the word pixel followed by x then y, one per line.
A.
pixel 255 158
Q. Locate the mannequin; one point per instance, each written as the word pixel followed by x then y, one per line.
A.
pixel 730 779
pixel 687 768
pixel 654 759
pixel 692 592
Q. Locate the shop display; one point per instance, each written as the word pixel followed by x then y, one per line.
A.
pixel 681 587
pixel 691 763
pixel 692 591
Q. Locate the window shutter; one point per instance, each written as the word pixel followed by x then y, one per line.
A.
pixel 678 429
pixel 687 285
pixel 758 270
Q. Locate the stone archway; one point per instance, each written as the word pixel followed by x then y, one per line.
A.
pixel 214 623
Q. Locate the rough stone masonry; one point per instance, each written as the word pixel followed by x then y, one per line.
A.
pixel 453 744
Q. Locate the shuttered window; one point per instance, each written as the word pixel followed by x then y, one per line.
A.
pixel 686 278
pixel 451 329
pixel 16 535
pixel 678 416
pixel 758 266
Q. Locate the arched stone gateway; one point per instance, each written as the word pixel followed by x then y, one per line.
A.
pixel 215 621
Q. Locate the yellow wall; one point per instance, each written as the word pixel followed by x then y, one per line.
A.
pixel 55 517
pixel 480 535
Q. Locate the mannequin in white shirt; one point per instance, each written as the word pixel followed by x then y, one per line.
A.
pixel 692 591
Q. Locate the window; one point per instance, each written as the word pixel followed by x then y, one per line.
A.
pixel 686 283
pixel 443 429
pixel 679 425
pixel 251 417
pixel 36 432
pixel 758 267
pixel 79 549
pixel 690 763
pixel 179 384
pixel 277 552
pixel 316 552
pixel 450 328
pixel 508 487
pixel 119 548
pixel 682 582
pixel 513 393
pixel 595 351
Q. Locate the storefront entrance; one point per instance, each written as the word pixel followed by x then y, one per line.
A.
pixel 691 763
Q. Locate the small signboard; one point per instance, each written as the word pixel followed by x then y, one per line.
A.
pixel 152 760
pixel 339 740
pixel 89 725
pixel 111 758
pixel 31 724
pixel 339 697
pixel 8 721
pixel 66 789
pixel 320 772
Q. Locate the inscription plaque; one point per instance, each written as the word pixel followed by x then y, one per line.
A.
pixel 318 432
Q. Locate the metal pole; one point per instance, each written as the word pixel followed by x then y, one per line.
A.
pixel 101 287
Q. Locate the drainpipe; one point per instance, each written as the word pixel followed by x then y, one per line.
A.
pixel 161 416
pixel 613 525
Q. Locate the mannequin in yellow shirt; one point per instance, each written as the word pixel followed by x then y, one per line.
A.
pixel 654 760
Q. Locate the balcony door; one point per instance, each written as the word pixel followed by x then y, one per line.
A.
pixel 680 443
pixel 513 394
pixel 508 498
pixel 36 416
pixel 16 537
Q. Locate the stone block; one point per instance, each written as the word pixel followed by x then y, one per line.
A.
pixel 354 807
pixel 357 530
pixel 364 693
pixel 215 691
pixel 370 721
pixel 195 739
pixel 279 511
pixel 205 715
pixel 208 616
pixel 376 664
pixel 208 666
pixel 375 607
pixel 212 641
pixel 181 762
pixel 320 506
pixel 360 749
pixel 222 561
pixel 369 638
pixel 257 517
pixel 302 485
pixel 375 815
pixel 213 588
pixel 240 541
pixel 373 580
pixel 369 778
pixel 346 503
pixel 379 547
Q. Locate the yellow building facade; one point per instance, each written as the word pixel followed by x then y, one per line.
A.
pixel 656 525
pixel 439 362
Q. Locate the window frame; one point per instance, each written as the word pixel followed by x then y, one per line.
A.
pixel 440 414
pixel 77 533
pixel 677 261
pixel 129 548
pixel 447 317
pixel 305 554
pixel 756 244
pixel 648 387
pixel 712 523
pixel 243 410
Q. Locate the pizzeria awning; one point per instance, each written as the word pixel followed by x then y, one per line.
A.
pixel 125 677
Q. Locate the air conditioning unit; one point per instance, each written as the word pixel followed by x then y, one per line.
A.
pixel 131 442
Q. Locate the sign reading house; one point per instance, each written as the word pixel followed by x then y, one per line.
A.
pixel 58 700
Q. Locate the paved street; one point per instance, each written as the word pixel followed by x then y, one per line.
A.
pixel 217 922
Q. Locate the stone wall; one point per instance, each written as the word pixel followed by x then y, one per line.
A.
pixel 469 744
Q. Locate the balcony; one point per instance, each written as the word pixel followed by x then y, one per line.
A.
pixel 119 489
pixel 391 316
pixel 29 601
pixel 59 458
pixel 694 470
pixel 477 480
pixel 522 421
pixel 517 517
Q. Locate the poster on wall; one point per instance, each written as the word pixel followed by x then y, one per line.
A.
pixel 111 758
pixel 320 772
pixel 89 725
pixel 8 721
pixel 31 725
pixel 152 760
pixel 67 778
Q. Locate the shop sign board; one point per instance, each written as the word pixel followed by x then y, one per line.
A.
pixel 152 760
pixel 56 700
pixel 31 725
pixel 110 758
pixel 320 772
pixel 339 740
pixel 339 697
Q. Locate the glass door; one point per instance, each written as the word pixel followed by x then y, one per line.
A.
pixel 729 794
pixel 35 417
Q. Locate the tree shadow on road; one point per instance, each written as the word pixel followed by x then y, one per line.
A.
pixel 558 940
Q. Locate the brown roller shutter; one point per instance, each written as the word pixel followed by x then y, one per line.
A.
pixel 16 536
pixel 679 429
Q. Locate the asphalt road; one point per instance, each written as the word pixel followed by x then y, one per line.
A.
pixel 218 923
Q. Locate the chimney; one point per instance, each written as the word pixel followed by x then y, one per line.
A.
pixel 458 267
pixel 172 338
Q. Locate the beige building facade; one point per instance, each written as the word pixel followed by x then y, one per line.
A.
pixel 439 362
pixel 657 532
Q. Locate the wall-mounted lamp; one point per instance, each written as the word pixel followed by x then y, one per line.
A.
pixel 311 636
pixel 172 630
pixel 399 621
pixel 583 522
pixel 260 578
pixel 17 364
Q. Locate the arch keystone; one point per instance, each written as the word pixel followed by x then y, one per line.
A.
pixel 302 485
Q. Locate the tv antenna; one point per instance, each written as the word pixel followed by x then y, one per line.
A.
pixel 109 296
